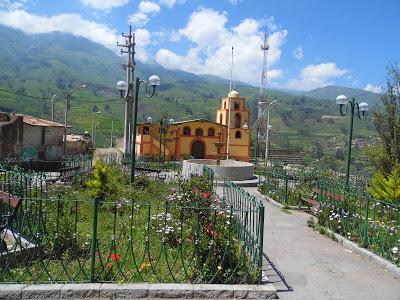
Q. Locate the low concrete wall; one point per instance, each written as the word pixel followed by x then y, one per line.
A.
pixel 133 291
pixel 229 169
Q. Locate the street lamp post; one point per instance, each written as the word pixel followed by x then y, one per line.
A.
pixel 154 81
pixel 362 107
pixel 94 127
pixel 52 107
pixel 67 94
pixel 112 129
pixel 269 106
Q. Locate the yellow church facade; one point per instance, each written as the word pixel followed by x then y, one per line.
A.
pixel 200 138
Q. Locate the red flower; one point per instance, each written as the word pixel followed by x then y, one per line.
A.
pixel 206 195
pixel 115 257
pixel 214 233
pixel 178 241
pixel 109 265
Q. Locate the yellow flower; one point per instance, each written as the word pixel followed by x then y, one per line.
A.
pixel 219 268
pixel 144 266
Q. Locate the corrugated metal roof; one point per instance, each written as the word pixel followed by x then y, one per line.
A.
pixel 40 122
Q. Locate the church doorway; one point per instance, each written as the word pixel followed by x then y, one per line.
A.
pixel 198 150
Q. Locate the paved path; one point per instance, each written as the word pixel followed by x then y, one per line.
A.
pixel 315 266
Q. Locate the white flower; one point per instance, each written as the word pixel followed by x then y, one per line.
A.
pixel 395 250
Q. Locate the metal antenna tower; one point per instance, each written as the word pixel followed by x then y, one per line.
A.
pixel 262 104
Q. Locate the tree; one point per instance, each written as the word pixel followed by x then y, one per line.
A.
pixel 387 123
pixel 339 154
pixel 318 151
pixel 386 187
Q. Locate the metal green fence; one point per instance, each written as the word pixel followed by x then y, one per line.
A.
pixel 370 223
pixel 20 183
pixel 249 213
pixel 288 185
pixel 70 166
pixel 168 171
pixel 54 240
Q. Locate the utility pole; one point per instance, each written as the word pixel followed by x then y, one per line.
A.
pixel 67 94
pixel 112 129
pixel 65 123
pixel 130 72
pixel 266 159
pixel 52 107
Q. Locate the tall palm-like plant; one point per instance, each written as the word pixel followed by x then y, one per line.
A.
pixel 386 187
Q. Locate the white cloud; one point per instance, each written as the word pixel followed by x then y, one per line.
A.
pixel 234 2
pixel 104 4
pixel 274 74
pixel 168 3
pixel 13 5
pixel 298 52
pixel 315 76
pixel 322 71
pixel 67 23
pixel 145 9
pixel 138 19
pixel 207 33
pixel 142 40
pixel 148 7
pixel 142 37
pixel 373 88
pixel 212 43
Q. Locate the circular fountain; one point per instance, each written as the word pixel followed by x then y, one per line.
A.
pixel 240 172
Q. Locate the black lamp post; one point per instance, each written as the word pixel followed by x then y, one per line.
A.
pixel 154 81
pixel 342 101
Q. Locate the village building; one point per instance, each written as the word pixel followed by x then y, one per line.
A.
pixel 11 135
pixel 42 139
pixel 200 138
pixel 78 144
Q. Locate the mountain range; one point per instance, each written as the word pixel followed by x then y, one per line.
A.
pixel 34 67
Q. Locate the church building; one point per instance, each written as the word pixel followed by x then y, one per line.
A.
pixel 200 138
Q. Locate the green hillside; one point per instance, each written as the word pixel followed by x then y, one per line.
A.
pixel 45 64
pixel 331 92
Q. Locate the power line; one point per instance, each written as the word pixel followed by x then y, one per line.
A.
pixel 44 97
pixel 22 95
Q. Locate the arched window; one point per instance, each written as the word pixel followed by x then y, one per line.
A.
pixel 146 130
pixel 186 130
pixel 220 118
pixel 224 104
pixel 236 105
pixel 238 120
pixel 199 132
pixel 238 134
pixel 211 131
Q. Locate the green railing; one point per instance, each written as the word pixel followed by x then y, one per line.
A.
pixel 20 183
pixel 70 166
pixel 347 210
pixel 370 223
pixel 288 185
pixel 168 171
pixel 126 241
pixel 249 214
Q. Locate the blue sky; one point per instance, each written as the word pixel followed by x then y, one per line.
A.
pixel 313 43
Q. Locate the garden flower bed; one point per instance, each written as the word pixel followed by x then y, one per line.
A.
pixel 150 232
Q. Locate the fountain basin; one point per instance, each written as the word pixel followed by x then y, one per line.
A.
pixel 230 169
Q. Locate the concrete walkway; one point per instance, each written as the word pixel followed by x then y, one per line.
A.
pixel 316 267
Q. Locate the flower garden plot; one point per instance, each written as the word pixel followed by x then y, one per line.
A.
pixel 152 232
